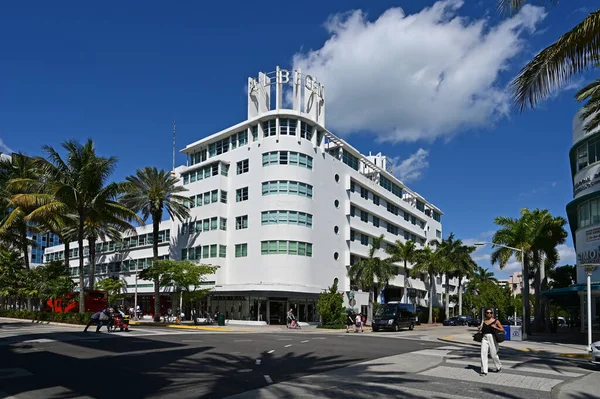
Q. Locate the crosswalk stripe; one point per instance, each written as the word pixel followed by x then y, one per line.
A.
pixel 516 366
pixel 502 379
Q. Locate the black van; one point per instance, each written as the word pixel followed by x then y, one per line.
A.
pixel 394 316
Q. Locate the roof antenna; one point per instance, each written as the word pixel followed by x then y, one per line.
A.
pixel 174 135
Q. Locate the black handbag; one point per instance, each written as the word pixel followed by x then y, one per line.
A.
pixel 478 336
pixel 499 335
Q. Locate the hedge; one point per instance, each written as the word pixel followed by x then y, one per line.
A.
pixel 36 315
pixel 332 326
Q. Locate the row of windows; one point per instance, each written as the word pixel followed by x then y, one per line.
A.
pixel 287 187
pixel 286 217
pixel 588 213
pixel 209 197
pixel 239 139
pixel 199 226
pixel 128 265
pixel 390 227
pixel 204 172
pixel 204 252
pixel 364 193
pixel 285 247
pixel 287 158
pixel 110 246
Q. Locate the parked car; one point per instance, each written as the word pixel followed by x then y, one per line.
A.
pixel 463 320
pixel 595 353
pixel 475 322
pixel 394 316
pixel 450 322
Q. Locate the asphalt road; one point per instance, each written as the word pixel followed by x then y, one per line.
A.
pixel 39 361
pixel 62 362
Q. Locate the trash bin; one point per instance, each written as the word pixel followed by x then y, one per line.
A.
pixel 221 319
pixel 507 332
pixel 515 333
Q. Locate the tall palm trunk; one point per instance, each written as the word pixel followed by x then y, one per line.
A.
pixel 155 227
pixel 460 312
pixel 92 261
pixel 80 231
pixel 25 250
pixel 406 280
pixel 430 299
pixel 67 256
pixel 370 307
pixel 526 304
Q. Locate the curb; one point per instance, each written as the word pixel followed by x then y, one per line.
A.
pixel 45 323
pixel 531 351
pixel 136 323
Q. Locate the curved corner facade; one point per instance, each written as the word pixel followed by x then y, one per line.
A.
pixel 284 207
pixel 583 211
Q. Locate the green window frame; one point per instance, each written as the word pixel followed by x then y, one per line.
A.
pixel 241 250
pixel 222 251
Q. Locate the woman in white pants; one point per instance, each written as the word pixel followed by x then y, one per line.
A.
pixel 489 327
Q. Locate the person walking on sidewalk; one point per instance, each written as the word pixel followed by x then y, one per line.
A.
pixel 489 327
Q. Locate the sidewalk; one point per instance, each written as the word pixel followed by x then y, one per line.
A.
pixel 535 347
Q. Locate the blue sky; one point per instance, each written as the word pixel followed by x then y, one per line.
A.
pixel 426 86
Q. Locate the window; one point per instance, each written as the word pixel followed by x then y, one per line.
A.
pixel 375 221
pixel 364 239
pixel 364 193
pixel 438 234
pixel 336 230
pixel 224 196
pixel 287 158
pixel 336 178
pixel 420 206
pixel 336 203
pixel 375 199
pixel 269 128
pixel 286 217
pixel 352 210
pixel 287 187
pixel 241 222
pixel 254 130
pixel 393 229
pixel 213 251
pixel 224 169
pixel 218 147
pixel 287 127
pixel 352 186
pixel 305 131
pixel 393 209
pixel 214 196
pixel 436 216
pixel 241 194
pixel 207 198
pixel 242 166
pixel 390 186
pixel 222 251
pixel 223 223
pixel 286 247
pixel 364 216
pixel 350 160
pixel 589 213
pixel 241 250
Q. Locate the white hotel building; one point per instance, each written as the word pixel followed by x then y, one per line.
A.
pixel 284 207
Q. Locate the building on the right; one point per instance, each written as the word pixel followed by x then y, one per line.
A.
pixel 583 213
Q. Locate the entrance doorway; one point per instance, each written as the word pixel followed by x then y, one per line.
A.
pixel 277 312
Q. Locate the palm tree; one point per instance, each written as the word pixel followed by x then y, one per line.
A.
pixel 515 233
pixel 591 110
pixel 149 192
pixel 403 252
pixel 433 262
pixel 78 185
pixel 573 53
pixel 372 272
pixel 464 267
pixel 451 248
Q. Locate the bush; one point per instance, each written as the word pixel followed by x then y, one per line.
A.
pixel 331 307
pixel 332 326
pixel 35 315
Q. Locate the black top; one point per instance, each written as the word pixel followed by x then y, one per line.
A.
pixel 488 329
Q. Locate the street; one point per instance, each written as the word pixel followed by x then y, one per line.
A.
pixel 42 361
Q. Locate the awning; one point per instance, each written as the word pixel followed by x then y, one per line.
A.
pixel 568 297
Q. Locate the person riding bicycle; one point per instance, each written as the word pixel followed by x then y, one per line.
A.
pixel 291 319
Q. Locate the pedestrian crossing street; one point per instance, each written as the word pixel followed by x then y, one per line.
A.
pixel 522 375
pixel 28 333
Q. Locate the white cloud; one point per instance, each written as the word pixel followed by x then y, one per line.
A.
pixel 411 168
pixel 4 148
pixel 420 76
pixel 567 255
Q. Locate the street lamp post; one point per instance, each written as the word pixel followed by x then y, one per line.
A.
pixel 135 312
pixel 589 269
pixel 524 286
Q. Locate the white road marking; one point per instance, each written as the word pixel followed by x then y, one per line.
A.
pixel 242 340
pixel 287 346
pixel 303 342
pixel 268 379
pixel 257 361
pixel 271 351
pixel 39 341
pixel 516 367
pixel 244 370
pixel 319 338
pixel 192 340
pixel 284 339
